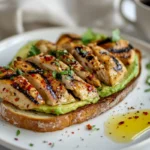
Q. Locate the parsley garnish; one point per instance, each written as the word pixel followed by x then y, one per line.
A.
pixel 57 63
pixel 33 51
pixel 148 80
pixel 11 78
pixel 94 128
pixel 90 36
pixel 19 72
pixel 115 35
pixel 147 90
pixel 148 66
pixel 99 88
pixel 31 145
pixel 58 53
pixel 58 75
pixel 8 67
pixel 18 132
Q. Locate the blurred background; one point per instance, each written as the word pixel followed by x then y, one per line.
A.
pixel 18 16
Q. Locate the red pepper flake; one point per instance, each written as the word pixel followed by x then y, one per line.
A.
pixel 72 132
pixel 136 117
pixel 148 122
pixel 17 99
pixel 16 139
pixel 90 88
pixel 121 122
pixel 33 75
pixel 89 127
pixel 145 113
pixel 4 89
pixel 48 58
pixel 50 143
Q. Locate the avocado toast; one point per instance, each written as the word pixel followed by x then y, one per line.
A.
pixel 66 82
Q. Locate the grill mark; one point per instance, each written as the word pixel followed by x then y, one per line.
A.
pixel 35 66
pixel 118 65
pixel 80 51
pixel 17 87
pixel 122 50
pixel 89 58
pixel 40 71
pixel 8 76
pixel 49 87
pixel 104 41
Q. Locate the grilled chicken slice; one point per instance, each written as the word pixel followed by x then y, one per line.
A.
pixel 41 83
pixel 63 55
pixel 18 91
pixel 53 94
pixel 79 88
pixel 67 58
pixel 44 46
pixel 67 38
pixel 115 69
pixel 86 57
pixel 63 97
pixel 121 49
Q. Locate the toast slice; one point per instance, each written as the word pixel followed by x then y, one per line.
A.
pixel 42 122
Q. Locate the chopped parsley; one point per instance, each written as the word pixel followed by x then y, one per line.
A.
pixel 147 90
pixel 8 67
pixel 33 51
pixel 148 80
pixel 90 36
pixel 11 78
pixel 148 66
pixel 115 35
pixel 58 53
pixel 31 145
pixel 99 88
pixel 19 72
pixel 57 63
pixel 148 77
pixel 58 75
pixel 92 127
pixel 18 132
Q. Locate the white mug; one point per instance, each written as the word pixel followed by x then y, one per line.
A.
pixel 142 16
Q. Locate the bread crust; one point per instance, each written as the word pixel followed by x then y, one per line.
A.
pixel 41 122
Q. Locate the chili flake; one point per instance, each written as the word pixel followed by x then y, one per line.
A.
pixel 145 113
pixel 136 117
pixel 89 127
pixel 16 139
pixel 121 122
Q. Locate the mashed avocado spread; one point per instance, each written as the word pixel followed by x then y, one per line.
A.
pixel 105 91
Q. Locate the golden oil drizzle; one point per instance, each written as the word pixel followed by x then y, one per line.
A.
pixel 124 128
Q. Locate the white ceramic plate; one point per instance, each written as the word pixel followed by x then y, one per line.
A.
pixel 93 140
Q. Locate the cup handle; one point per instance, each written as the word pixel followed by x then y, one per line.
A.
pixel 123 15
